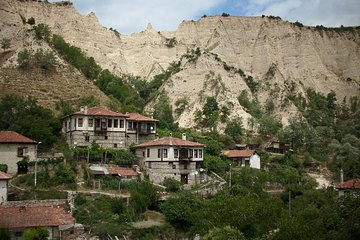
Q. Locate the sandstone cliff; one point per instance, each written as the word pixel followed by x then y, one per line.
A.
pixel 282 57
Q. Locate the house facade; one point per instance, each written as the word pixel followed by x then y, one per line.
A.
pixel 4 178
pixel 14 147
pixel 107 128
pixel 244 158
pixel 171 157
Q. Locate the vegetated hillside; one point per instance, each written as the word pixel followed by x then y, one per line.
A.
pixel 272 60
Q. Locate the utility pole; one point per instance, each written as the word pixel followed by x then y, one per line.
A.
pixel 289 203
pixel 37 146
pixel 230 177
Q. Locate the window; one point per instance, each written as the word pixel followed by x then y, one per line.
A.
pixel 159 153
pixel 121 124
pixel 90 122
pixel 148 152
pixel 74 123
pixel 200 153
pixel 190 153
pixel 87 138
pixel 97 122
pixel 80 122
pixel 116 123
pixel 109 123
pixel 20 151
pixel 165 155
pixel 149 164
pixel 176 153
pixel 106 137
pixel 173 166
pixel 115 145
pixel 195 153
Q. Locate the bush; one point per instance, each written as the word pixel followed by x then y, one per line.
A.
pixel 5 43
pixel 31 21
pixel 42 31
pixel 3 168
pixel 36 234
pixel 45 59
pixel 172 185
pixel 24 58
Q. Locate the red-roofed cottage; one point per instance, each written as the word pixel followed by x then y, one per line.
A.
pixel 14 147
pixel 108 128
pixel 171 157
pixel 244 158
pixel 17 217
pixel 351 186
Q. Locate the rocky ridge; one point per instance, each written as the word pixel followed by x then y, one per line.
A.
pixel 282 57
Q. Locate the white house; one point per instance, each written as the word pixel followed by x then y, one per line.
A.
pixel 171 157
pixel 108 128
pixel 243 158
pixel 14 147
pixel 4 178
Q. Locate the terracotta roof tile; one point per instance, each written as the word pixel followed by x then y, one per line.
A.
pixel 238 153
pixel 14 137
pixel 34 216
pixel 122 171
pixel 350 184
pixel 99 111
pixel 140 118
pixel 4 176
pixel 168 141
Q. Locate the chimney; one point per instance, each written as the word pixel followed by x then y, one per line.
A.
pixel 183 136
pixel 82 108
pixel 85 109
pixel 171 143
pixel 341 176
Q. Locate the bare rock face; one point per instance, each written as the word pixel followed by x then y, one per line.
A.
pixel 282 57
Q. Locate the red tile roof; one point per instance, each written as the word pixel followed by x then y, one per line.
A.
pixel 238 153
pixel 170 141
pixel 122 171
pixel 140 118
pixel 350 184
pixel 99 111
pixel 4 176
pixel 34 216
pixel 14 137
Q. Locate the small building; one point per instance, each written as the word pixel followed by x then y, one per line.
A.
pixel 14 147
pixel 171 157
pixel 122 172
pixel 19 216
pixel 251 146
pixel 350 187
pixel 243 158
pixel 107 128
pixel 278 147
pixel 4 178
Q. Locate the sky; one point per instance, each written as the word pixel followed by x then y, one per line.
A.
pixel 129 16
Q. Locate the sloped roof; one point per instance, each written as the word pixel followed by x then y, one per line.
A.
pixel 34 216
pixel 113 170
pixel 140 118
pixel 350 184
pixel 4 176
pixel 14 137
pixel 99 111
pixel 238 153
pixel 170 141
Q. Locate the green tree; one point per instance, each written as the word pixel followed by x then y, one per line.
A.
pixel 269 126
pixel 5 43
pixel 42 31
pixel 45 59
pixel 224 233
pixel 163 112
pixel 172 185
pixel 235 130
pixel 5 234
pixel 143 195
pixel 24 58
pixel 36 234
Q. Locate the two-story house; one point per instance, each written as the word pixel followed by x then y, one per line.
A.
pixel 107 128
pixel 14 147
pixel 171 157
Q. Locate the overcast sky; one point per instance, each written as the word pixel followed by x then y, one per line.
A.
pixel 128 16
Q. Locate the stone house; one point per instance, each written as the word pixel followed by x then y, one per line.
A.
pixel 107 128
pixel 4 178
pixel 171 157
pixel 54 216
pixel 243 158
pixel 14 147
